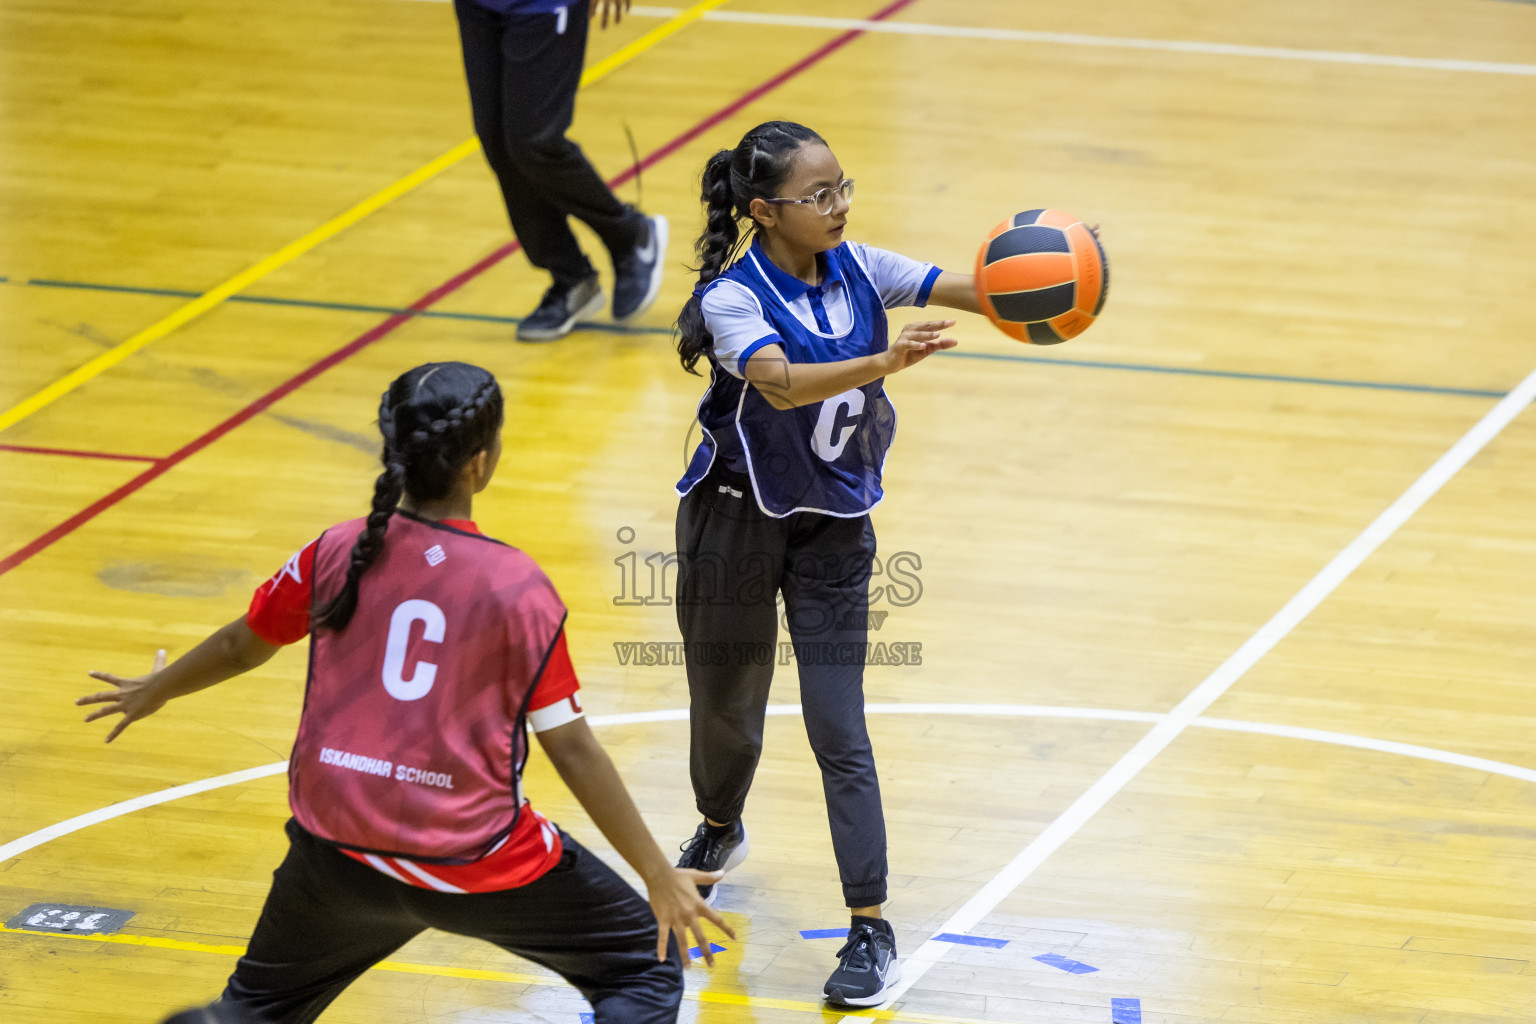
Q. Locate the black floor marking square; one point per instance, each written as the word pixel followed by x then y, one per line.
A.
pixel 66 917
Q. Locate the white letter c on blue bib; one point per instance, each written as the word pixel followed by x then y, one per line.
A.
pixel 839 416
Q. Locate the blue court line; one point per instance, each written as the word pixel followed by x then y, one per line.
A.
pixel 343 307
pixel 591 1018
pixel 1064 963
pixel 1125 1011
pixel 825 933
pixel 971 940
pixel 714 947
pixel 1092 364
pixel 1190 371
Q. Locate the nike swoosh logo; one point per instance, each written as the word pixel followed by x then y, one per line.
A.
pixel 647 252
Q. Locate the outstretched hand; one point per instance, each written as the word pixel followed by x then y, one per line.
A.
pixel 619 8
pixel 136 697
pixel 678 907
pixel 917 342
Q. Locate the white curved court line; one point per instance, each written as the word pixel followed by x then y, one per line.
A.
pixel 1342 739
pixel 1216 684
pixel 17 847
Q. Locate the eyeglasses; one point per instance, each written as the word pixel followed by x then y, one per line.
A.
pixel 823 199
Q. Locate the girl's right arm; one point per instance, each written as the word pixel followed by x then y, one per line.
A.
pixel 230 651
pixel 673 892
pixel 786 385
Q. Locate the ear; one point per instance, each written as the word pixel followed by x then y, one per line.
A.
pixel 477 471
pixel 766 214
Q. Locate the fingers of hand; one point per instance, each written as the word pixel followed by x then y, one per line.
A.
pixel 918 337
pixel 681 935
pixel 117 730
pixel 713 917
pixel 106 677
pixel 104 712
pixel 704 947
pixel 159 661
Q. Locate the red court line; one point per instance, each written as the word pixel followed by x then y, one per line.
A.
pixel 449 286
pixel 76 453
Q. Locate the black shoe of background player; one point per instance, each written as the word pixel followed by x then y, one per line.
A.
pixel 561 309
pixel 637 273
pixel 714 848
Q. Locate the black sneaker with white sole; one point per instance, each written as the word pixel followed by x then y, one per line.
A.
pixel 714 848
pixel 637 273
pixel 561 309
pixel 869 966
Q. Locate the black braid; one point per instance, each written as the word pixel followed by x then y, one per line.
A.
pixel 755 169
pixel 434 419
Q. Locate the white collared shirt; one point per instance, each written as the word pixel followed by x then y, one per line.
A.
pixel 736 321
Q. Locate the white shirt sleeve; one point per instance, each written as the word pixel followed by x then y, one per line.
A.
pixel 553 716
pixel 736 322
pixel 899 280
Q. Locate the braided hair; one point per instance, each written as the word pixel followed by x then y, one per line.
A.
pixel 756 169
pixel 434 419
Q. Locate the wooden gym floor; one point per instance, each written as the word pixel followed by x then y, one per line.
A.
pixel 1184 718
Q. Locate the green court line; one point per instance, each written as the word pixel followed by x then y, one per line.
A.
pixel 343 307
pixel 1092 364
pixel 1189 371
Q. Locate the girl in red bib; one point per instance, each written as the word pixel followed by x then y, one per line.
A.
pixel 433 649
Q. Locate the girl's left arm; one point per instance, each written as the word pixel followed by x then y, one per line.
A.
pixel 232 650
pixel 587 770
pixel 956 291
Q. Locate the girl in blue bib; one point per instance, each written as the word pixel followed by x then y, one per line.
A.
pixel 776 498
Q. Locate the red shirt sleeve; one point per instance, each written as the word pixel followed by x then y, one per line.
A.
pixel 279 611
pixel 559 681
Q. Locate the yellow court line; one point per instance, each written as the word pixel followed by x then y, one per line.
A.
pixel 721 998
pixel 293 250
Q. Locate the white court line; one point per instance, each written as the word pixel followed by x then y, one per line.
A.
pixel 35 839
pixel 1015 35
pixel 1341 739
pixel 1217 683
pixel 17 847
pixel 1117 42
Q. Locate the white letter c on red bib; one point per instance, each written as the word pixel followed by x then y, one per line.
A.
pixel 424 674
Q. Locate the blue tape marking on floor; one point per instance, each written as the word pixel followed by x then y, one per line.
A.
pixel 1065 964
pixel 1190 371
pixel 972 940
pixel 714 947
pixel 1125 1011
pixel 825 933
pixel 591 1018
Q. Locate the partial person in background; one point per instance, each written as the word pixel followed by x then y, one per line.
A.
pixel 523 59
